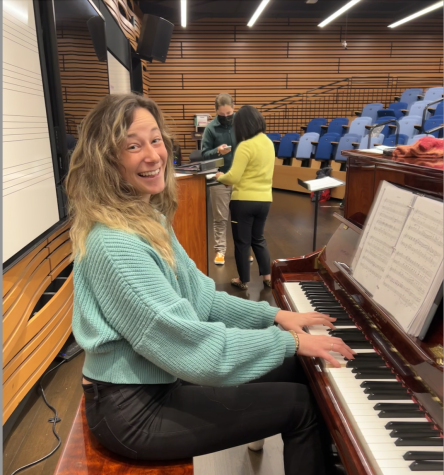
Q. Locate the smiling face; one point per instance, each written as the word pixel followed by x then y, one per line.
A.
pixel 144 156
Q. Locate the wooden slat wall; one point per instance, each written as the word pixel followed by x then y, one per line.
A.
pixel 84 79
pixel 277 58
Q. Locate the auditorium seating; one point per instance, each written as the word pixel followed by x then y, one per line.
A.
pixel 410 96
pixel 346 143
pixel 287 145
pixel 358 126
pixel 324 149
pixel 377 139
pixel 314 126
pixel 395 109
pixel 370 110
pixel 430 124
pixel 275 138
pixel 410 125
pixel 418 108
pixel 390 141
pixel 436 109
pixel 336 126
pixel 385 129
pixel 433 94
pixel 305 148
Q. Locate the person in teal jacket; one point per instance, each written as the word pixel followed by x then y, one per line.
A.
pixel 219 141
pixel 167 357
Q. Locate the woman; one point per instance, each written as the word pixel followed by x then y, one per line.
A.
pixel 219 141
pixel 166 355
pixel 251 176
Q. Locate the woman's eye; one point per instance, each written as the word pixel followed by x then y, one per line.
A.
pixel 132 147
pixel 157 140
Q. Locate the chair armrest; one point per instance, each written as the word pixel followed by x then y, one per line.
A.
pixel 295 141
pixel 377 144
pixel 314 143
pixel 391 126
pixel 324 126
pixel 276 141
pixel 404 111
pixel 368 126
pixel 334 143
pixel 417 127
pixel 420 97
pixel 358 113
pixel 356 144
pixel 304 128
pixel 345 126
pixel 397 98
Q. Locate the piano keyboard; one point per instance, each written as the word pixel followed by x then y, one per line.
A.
pixel 393 432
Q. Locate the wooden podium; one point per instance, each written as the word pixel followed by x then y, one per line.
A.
pixel 190 221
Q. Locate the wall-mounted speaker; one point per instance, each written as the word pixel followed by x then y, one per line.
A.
pixel 96 27
pixel 155 37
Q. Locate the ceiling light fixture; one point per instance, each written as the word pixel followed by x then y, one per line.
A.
pixel 183 12
pixel 416 15
pixel 338 13
pixel 259 10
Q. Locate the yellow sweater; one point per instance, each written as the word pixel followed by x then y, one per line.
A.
pixel 252 171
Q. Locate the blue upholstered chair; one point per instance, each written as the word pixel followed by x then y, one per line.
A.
pixel 410 125
pixel 434 121
pixel 418 107
pixel 416 138
pixel 324 149
pixel 410 96
pixel 305 149
pixel 314 125
pixel 390 141
pixel 433 94
pixel 358 126
pixel 377 139
pixel 346 143
pixel 370 110
pixel 395 109
pixel 336 126
pixel 436 109
pixel 286 147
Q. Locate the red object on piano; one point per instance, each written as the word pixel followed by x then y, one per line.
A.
pixel 426 152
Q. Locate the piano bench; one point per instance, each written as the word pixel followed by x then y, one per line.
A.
pixel 84 455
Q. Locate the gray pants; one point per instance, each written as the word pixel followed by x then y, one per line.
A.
pixel 220 201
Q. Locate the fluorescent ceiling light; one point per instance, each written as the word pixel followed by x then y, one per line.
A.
pixel 183 12
pixel 416 15
pixel 259 10
pixel 339 12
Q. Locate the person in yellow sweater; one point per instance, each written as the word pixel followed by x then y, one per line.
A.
pixel 251 177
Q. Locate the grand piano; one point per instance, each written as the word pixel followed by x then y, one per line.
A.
pixel 384 410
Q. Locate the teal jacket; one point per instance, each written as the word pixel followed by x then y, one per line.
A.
pixel 216 134
pixel 140 322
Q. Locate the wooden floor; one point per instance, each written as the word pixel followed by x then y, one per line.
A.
pixel 289 233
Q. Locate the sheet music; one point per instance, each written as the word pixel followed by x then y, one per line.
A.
pixel 411 278
pixel 381 233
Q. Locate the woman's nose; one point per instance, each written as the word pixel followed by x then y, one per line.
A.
pixel 150 154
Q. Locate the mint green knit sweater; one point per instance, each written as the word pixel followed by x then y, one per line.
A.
pixel 141 323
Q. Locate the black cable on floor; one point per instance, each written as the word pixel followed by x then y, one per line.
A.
pixel 54 421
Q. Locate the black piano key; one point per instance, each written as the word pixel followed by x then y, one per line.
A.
pixel 393 406
pixel 374 370
pixel 426 466
pixel 342 323
pixel 378 390
pixel 383 385
pixel 374 375
pixel 329 311
pixel 348 333
pixel 393 425
pixel 321 301
pixel 401 414
pixel 422 455
pixel 388 397
pixel 366 356
pixel 413 433
pixel 419 441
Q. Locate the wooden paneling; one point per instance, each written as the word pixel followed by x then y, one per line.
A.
pixel 34 330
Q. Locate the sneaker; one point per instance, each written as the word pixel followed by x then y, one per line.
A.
pixel 251 258
pixel 219 259
pixel 256 446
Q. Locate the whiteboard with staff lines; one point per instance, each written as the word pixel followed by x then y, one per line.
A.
pixel 29 192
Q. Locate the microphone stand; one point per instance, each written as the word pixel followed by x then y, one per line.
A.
pixel 379 125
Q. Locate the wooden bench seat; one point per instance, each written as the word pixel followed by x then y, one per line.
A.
pixel 84 455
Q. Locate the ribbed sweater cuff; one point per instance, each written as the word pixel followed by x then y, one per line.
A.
pixel 290 344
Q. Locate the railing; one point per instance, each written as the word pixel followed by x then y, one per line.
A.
pixel 336 99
